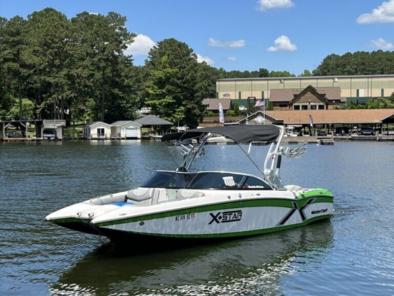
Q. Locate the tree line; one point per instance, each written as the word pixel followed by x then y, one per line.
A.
pixel 76 69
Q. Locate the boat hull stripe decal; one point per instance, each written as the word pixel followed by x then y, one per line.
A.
pixel 283 203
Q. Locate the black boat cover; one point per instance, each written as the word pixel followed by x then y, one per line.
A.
pixel 239 133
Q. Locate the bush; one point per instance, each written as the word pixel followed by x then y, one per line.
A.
pixel 231 113
pixel 209 113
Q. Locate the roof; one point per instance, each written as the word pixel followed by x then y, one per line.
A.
pixel 286 95
pixel 257 118
pixel 99 123
pixel 238 133
pixel 53 123
pixel 213 104
pixel 152 120
pixel 348 116
pixel 309 77
pixel 121 123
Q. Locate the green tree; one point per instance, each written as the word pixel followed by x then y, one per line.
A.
pixel 379 103
pixel 306 73
pixel 25 106
pixel 103 75
pixel 12 73
pixel 357 63
pixel 281 74
pixel 235 108
pixel 45 57
pixel 171 88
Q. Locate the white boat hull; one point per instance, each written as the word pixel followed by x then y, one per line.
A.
pixel 223 220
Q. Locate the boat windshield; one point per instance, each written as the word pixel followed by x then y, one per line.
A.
pixel 206 180
pixel 174 180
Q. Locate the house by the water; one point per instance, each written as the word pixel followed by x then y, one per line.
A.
pixel 146 126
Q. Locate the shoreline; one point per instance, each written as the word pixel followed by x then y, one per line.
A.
pixel 298 139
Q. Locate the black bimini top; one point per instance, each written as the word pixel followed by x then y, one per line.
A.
pixel 239 133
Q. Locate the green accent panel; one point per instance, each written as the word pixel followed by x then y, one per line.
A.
pixel 274 202
pixel 240 233
pixel 316 192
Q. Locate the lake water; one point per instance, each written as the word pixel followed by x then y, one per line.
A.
pixel 351 255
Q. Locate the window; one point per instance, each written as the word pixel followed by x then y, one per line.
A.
pixel 296 107
pixel 382 92
pixel 360 93
pixel 262 95
pixel 100 132
pixel 227 181
pixel 216 181
pixel 239 95
pixel 321 107
pixel 313 107
pixel 254 183
pixel 304 107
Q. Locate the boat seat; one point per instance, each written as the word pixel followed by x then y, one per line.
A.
pixel 186 194
pixel 140 194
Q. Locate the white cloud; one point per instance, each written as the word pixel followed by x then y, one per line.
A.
pixel 282 43
pixel 141 45
pixel 270 4
pixel 202 59
pixel 384 13
pixel 226 43
pixel 232 59
pixel 382 44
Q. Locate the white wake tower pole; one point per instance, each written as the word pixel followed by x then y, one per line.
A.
pixel 273 161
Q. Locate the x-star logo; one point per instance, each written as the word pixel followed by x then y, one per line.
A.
pixel 224 217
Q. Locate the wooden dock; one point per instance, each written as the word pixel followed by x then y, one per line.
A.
pixel 5 139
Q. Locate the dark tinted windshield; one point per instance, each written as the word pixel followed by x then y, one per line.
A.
pixel 216 180
pixel 206 180
pixel 169 180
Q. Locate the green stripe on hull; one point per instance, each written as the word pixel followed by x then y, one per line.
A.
pixel 315 192
pixel 228 234
pixel 273 202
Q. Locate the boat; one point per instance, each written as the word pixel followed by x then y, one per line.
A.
pixel 192 205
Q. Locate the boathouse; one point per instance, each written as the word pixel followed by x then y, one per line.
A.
pixel 153 126
pixel 53 129
pixel 126 129
pixel 97 131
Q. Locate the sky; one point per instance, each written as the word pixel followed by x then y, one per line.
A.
pixel 288 35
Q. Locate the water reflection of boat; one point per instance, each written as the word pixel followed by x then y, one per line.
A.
pixel 231 267
pixel 189 205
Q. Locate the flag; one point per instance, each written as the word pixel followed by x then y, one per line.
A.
pixel 310 120
pixel 259 103
pixel 221 114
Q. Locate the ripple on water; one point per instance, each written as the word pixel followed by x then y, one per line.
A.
pixel 352 255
